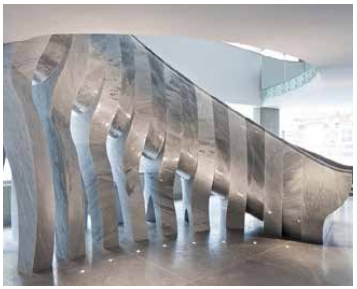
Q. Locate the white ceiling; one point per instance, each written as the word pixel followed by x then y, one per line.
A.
pixel 319 34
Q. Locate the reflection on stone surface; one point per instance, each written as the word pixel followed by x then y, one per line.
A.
pixel 113 125
pixel 213 258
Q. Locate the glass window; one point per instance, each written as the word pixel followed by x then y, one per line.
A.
pixel 326 131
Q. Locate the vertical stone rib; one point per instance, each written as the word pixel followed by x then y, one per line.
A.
pixel 293 187
pixel 256 170
pixel 172 150
pixel 221 178
pixel 313 201
pixel 273 210
pixel 203 178
pixel 121 126
pixel 45 78
pixel 109 49
pixel 155 139
pixel 86 102
pixel 26 148
pixel 238 185
pixel 135 142
pixel 189 147
pixel 156 136
pixel 222 153
pixel 64 95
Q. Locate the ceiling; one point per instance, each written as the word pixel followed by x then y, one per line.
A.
pixel 319 34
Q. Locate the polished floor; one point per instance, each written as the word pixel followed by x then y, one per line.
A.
pixel 215 258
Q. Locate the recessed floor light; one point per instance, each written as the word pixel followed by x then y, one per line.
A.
pixel 82 271
pixel 138 251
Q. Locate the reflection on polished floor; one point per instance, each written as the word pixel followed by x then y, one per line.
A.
pixel 215 258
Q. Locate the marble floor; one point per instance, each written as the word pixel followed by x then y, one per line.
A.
pixel 215 258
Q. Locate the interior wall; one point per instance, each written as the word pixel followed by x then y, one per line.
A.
pixel 273 71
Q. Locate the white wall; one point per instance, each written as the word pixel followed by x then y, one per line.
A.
pixel 273 71
pixel 228 73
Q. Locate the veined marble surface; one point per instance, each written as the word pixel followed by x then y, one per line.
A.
pixel 26 150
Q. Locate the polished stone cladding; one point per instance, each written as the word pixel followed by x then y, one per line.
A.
pixel 100 126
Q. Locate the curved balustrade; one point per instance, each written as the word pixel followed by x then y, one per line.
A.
pixel 99 125
pixel 290 84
